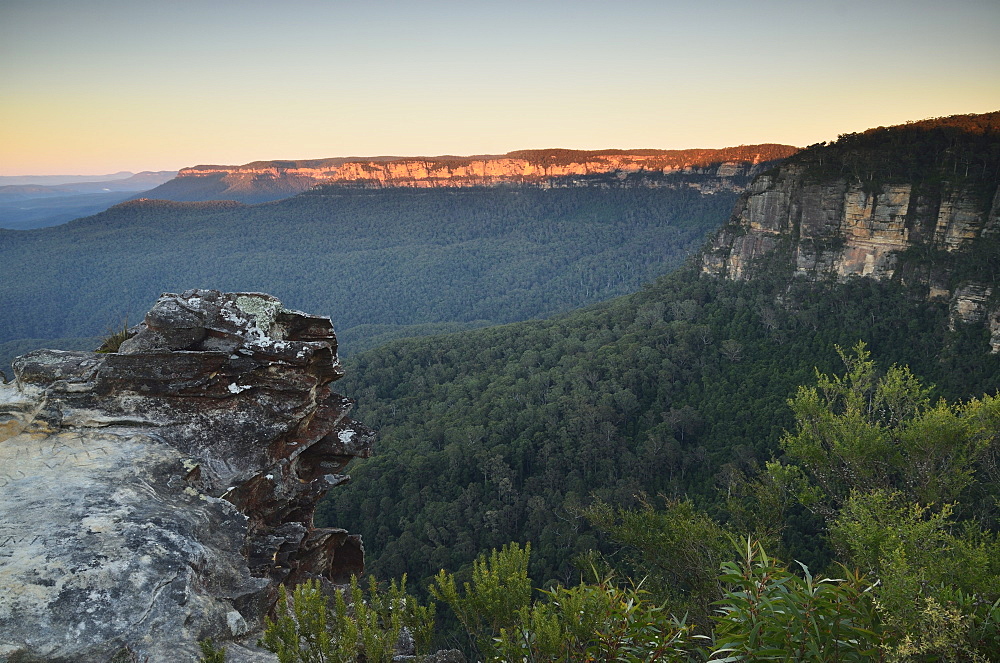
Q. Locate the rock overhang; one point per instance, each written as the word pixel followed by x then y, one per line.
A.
pixel 201 447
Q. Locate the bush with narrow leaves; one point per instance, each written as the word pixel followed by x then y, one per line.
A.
pixel 307 630
pixel 772 614
pixel 595 622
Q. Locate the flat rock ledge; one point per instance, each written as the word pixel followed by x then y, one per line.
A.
pixel 158 496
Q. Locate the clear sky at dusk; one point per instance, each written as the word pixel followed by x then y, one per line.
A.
pixel 97 86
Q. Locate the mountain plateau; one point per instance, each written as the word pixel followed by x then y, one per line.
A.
pixel 269 180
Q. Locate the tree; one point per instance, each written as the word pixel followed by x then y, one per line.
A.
pixel 895 477
pixel 500 588
pixel 771 614
pixel 358 628
pixel 678 549
pixel 939 579
pixel 865 432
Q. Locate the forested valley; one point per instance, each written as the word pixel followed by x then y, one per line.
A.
pixel 708 449
pixel 506 433
pixel 636 439
pixel 380 263
pixel 788 468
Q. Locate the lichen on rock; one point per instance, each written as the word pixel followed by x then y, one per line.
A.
pixel 149 504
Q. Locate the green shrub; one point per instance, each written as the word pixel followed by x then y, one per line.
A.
pixel 677 549
pixel 500 590
pixel 307 630
pixel 942 633
pixel 210 653
pixel 115 338
pixel 771 614
pixel 595 622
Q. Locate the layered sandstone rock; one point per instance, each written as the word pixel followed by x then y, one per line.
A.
pixel 157 496
pixel 727 169
pixel 837 227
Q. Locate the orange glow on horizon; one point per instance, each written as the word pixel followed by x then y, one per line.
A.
pixel 110 87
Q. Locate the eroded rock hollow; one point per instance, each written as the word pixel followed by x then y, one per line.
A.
pixel 157 496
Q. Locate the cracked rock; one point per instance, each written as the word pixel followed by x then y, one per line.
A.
pixel 158 496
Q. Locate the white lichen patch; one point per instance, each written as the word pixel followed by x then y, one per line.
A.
pixel 11 395
pixel 237 625
pixel 263 311
pixel 237 388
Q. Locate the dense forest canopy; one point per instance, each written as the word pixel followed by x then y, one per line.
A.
pixel 508 433
pixel 391 258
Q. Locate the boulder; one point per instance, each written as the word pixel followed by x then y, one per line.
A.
pixel 159 495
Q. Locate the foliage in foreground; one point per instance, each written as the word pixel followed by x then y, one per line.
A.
pixel 307 630
pixel 897 482
pixel 676 548
pixel 907 488
pixel 492 603
pixel 765 613
pixel 210 653
pixel 595 622
pixel 771 614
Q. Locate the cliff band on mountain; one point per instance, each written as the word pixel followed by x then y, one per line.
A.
pixel 857 208
pixel 729 169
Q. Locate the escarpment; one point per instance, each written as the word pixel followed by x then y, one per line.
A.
pixel 555 167
pixel 708 170
pixel 918 203
pixel 158 495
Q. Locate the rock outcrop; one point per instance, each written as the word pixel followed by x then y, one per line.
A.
pixel 159 495
pixel 836 228
pixel 875 206
pixel 717 169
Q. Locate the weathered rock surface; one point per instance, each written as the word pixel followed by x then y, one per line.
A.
pixel 840 226
pixel 158 496
pixel 726 169
pixel 836 229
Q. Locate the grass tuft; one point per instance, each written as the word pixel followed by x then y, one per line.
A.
pixel 116 337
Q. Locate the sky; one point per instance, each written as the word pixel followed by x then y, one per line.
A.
pixel 101 86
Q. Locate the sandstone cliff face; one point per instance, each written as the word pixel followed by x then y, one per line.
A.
pixel 837 228
pixel 157 496
pixel 730 169
pixel 548 165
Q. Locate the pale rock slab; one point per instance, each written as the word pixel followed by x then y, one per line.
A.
pixel 147 504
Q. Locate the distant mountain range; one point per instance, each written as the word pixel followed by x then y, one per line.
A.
pixel 36 202
pixel 263 181
pixel 137 182
pixel 55 180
